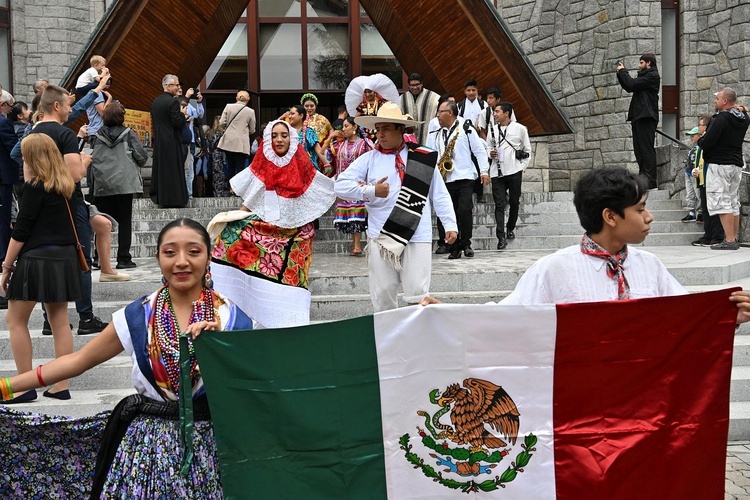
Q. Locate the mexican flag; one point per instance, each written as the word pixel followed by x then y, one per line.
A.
pixel 610 400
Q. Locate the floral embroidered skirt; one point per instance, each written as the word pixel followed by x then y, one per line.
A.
pixel 147 462
pixel 350 217
pixel 264 269
pixel 45 456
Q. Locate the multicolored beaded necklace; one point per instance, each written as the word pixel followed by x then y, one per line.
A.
pixel 165 346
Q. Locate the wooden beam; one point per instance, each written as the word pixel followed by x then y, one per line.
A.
pixel 452 41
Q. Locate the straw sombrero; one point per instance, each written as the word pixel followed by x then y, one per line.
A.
pixel 389 112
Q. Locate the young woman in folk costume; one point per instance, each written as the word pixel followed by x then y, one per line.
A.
pixel 365 95
pixel 313 119
pixel 350 216
pixel 140 452
pixel 308 139
pixel 263 251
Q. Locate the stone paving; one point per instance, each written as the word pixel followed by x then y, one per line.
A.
pixel 737 483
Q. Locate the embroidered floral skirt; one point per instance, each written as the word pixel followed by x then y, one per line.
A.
pixel 264 269
pixel 147 462
pixel 350 217
pixel 45 456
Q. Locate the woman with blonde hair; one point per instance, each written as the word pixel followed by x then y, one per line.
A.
pixel 46 270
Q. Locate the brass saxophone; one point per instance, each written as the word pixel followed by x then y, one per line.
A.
pixel 445 163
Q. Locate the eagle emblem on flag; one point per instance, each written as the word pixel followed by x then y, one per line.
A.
pixel 483 420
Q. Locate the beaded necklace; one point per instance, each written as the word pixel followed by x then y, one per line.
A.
pixel 348 153
pixel 372 110
pixel 165 344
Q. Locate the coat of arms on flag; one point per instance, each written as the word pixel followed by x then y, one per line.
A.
pixel 468 448
pixel 497 401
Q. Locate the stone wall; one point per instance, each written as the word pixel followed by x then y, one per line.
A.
pixel 575 45
pixel 47 36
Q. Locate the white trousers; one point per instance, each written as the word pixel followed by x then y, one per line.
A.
pixel 416 264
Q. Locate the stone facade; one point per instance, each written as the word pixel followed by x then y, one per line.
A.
pixel 575 45
pixel 47 37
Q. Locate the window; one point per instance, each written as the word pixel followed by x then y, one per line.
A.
pixel 280 56
pixel 229 69
pixel 327 56
pixel 377 56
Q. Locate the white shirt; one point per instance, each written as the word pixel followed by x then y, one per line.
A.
pixel 506 163
pixel 482 118
pixel 472 109
pixel 463 167
pixel 373 166
pixel 87 77
pixel 569 275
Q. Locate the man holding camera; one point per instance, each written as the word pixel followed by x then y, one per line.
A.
pixel 510 150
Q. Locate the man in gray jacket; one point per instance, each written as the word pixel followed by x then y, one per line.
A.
pixel 238 122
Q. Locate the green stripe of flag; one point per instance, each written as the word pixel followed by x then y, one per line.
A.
pixel 260 382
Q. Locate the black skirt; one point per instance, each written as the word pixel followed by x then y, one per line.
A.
pixel 46 274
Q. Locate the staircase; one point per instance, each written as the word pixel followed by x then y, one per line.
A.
pixel 339 283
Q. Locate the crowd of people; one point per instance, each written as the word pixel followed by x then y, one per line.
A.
pixel 387 162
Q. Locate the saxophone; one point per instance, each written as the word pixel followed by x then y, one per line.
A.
pixel 445 163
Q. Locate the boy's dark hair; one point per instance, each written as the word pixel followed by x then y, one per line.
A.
pixel 114 114
pixel 616 189
pixel 341 108
pixel 649 57
pixel 505 106
pixel 470 83
pixel 415 76
pixel 495 92
pixel 444 98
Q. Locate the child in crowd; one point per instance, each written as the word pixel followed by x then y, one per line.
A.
pixel 90 78
pixel 692 196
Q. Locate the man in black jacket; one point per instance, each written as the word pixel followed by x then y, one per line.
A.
pixel 643 113
pixel 722 151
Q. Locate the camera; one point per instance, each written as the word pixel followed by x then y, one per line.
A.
pixel 521 154
pixel 196 91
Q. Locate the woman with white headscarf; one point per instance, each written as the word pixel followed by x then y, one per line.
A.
pixel 263 251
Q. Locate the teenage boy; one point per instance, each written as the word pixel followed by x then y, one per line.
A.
pixel 611 206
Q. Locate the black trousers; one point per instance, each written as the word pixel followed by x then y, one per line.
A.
pixel 461 193
pixel 506 189
pixel 644 135
pixel 120 207
pixel 235 163
pixel 712 228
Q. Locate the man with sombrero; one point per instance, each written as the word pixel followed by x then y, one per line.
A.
pixel 399 186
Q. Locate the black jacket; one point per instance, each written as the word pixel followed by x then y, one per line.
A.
pixel 722 142
pixel 645 89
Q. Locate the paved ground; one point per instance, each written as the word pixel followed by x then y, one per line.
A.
pixel 737 484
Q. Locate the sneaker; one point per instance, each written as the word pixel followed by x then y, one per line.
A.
pixel 699 219
pixel 712 242
pixel 688 218
pixel 95 265
pixel 94 325
pixel 47 330
pixel 726 245
pixel 700 242
pixel 125 265
pixel 112 278
pixel 3 303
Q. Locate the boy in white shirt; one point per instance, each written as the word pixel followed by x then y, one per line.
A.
pixel 90 78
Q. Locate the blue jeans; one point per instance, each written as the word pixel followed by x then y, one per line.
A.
pixel 84 307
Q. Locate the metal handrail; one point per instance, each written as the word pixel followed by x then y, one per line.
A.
pixel 676 141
